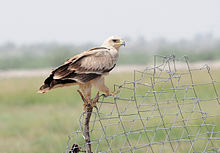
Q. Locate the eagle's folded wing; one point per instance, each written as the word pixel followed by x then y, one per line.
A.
pixel 83 67
pixel 97 61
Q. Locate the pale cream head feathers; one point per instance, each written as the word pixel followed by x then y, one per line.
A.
pixel 114 41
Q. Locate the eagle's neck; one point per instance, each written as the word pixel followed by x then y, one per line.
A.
pixel 114 54
pixel 107 45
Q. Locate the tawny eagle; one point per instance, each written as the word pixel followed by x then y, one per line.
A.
pixel 86 69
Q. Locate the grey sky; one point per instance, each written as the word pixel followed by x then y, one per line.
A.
pixel 79 21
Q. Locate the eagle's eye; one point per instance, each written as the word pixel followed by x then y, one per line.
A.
pixel 114 40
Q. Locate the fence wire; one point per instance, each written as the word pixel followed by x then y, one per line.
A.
pixel 168 107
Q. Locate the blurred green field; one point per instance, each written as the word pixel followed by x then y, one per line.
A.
pixel 32 122
pixel 41 123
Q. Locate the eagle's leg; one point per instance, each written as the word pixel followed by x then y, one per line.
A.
pixel 95 100
pixel 100 85
pixel 86 90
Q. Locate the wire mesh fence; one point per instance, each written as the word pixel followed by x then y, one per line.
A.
pixel 168 107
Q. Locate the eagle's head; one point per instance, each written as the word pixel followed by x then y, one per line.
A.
pixel 114 41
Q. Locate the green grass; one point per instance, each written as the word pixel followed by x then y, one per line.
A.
pixel 31 122
pixel 38 122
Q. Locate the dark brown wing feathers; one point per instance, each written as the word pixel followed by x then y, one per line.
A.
pixel 80 69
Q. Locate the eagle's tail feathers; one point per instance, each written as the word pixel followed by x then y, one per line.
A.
pixel 56 83
pixel 44 88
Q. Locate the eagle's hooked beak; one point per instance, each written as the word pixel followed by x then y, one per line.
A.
pixel 122 43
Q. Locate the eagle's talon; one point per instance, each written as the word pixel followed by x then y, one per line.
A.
pixel 114 93
pixel 90 103
pixel 93 104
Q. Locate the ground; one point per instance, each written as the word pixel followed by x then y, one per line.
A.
pixel 31 122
